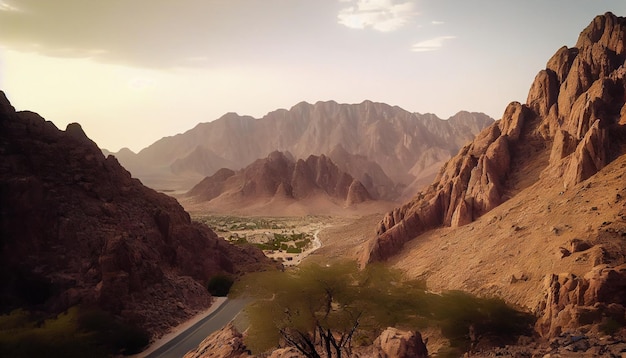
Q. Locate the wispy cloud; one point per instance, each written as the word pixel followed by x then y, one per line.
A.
pixel 435 22
pixel 431 45
pixel 4 6
pixel 380 15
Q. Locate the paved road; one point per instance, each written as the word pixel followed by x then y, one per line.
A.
pixel 190 338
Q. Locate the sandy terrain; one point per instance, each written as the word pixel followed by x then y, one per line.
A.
pixel 509 251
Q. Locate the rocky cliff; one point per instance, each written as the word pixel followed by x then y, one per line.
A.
pixel 281 177
pixel 570 127
pixel 532 210
pixel 389 136
pixel 75 228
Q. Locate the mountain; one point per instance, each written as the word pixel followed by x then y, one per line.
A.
pixel 531 190
pixel 368 172
pixel 389 136
pixel 279 178
pixel 76 229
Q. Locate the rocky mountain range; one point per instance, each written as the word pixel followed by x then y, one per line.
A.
pixel 392 145
pixel 76 229
pixel 534 206
pixel 279 178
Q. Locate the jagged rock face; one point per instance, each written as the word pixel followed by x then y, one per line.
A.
pixel 279 176
pixel 390 137
pixel 572 301
pixel 211 187
pixel 225 343
pixel 75 228
pixel 368 172
pixel 570 127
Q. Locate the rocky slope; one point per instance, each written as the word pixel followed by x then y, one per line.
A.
pixel 389 136
pixel 570 127
pixel 392 343
pixel 569 130
pixel 75 228
pixel 280 178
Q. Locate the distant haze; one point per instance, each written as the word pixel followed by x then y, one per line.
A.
pixel 132 72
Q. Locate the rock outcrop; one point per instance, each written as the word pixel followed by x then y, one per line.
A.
pixel 390 137
pixel 224 343
pixel 279 176
pixel 392 343
pixel 75 228
pixel 572 301
pixel 570 127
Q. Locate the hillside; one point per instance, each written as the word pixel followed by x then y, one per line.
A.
pixel 532 209
pixel 279 184
pixel 382 135
pixel 75 228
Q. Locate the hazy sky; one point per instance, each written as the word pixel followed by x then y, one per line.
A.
pixel 133 71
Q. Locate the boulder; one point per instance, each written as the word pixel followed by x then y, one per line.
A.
pixel 394 343
pixel 225 343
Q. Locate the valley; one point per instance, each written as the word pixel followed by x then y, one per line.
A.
pixel 287 240
pixel 359 230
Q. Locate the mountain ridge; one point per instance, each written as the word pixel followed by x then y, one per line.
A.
pixel 560 143
pixel 388 136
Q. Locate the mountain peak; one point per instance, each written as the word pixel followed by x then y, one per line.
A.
pixel 605 30
pixel 569 129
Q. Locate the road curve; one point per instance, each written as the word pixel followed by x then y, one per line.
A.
pixel 191 337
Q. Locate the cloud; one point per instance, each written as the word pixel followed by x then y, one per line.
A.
pixel 431 45
pixel 380 15
pixel 435 22
pixel 156 33
pixel 4 6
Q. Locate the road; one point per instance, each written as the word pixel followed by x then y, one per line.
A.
pixel 191 338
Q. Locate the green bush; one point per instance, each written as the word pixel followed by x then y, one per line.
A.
pixel 293 250
pixel 78 332
pixel 219 285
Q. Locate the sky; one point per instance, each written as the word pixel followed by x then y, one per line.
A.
pixel 134 71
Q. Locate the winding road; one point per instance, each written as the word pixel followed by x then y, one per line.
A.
pixel 191 337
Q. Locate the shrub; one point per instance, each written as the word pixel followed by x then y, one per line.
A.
pixel 78 332
pixel 219 285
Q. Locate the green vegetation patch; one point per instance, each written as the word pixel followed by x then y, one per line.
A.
pixel 79 332
pixel 325 310
pixel 219 285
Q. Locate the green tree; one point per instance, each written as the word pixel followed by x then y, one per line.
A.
pixel 219 285
pixel 318 309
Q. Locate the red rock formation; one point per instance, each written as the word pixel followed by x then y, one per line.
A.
pixel 574 116
pixel 225 343
pixel 573 301
pixel 392 138
pixel 278 175
pixel 394 343
pixel 211 187
pixel 75 228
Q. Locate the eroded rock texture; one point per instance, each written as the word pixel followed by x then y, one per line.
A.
pixel 75 228
pixel 570 127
